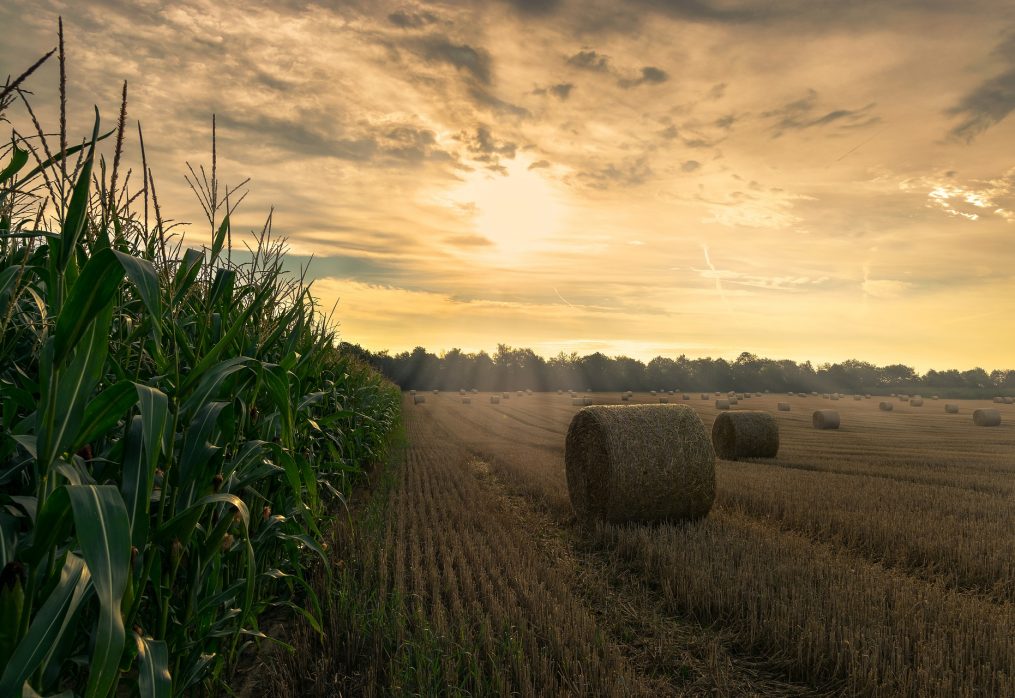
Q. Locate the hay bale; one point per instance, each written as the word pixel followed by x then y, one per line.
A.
pixel 722 404
pixel 436 392
pixel 916 402
pixel 651 392
pixel 466 400
pixel 664 401
pixel 858 397
pixel 784 407
pixel 461 391
pixel 520 392
pixel 559 391
pixel 495 399
pixel 505 396
pixel 825 419
pixel 747 434
pixel 740 396
pixel 625 397
pixel 987 417
pixel 733 401
pixel 640 463
pixel 528 391
pixel 581 401
pixel 951 408
pixel 1009 400
pixel 934 397
pixel 886 406
pixel 704 396
pixel 824 396
pixel 418 399
pixel 412 392
pixel 685 396
pixel 999 399
pixel 475 390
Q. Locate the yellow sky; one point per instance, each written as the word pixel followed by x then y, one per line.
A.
pixel 807 180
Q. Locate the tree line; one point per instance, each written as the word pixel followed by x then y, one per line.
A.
pixel 511 368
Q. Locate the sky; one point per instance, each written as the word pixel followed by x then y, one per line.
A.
pixel 806 179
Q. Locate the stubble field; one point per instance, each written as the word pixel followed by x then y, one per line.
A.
pixel 878 559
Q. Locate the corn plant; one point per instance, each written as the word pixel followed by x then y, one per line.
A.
pixel 174 425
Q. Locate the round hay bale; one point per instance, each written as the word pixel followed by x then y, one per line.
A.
pixel 722 404
pixel 418 399
pixel 651 392
pixel 461 391
pixel 951 408
pixel 704 396
pixel 886 406
pixel 528 391
pixel 1009 400
pixel 559 391
pixel 685 396
pixel 475 390
pixel 625 397
pixel 664 401
pixel 740 396
pixel 858 397
pixel 733 401
pixel 495 399
pixel 934 397
pixel 999 399
pixel 412 392
pixel 916 402
pixel 436 392
pixel 505 396
pixel 825 419
pixel 640 463
pixel 747 434
pixel 466 400
pixel 784 407
pixel 520 392
pixel 987 417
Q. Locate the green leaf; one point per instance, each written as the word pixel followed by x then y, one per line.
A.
pixel 219 240
pixel 52 525
pixel 18 160
pixel 153 668
pixel 104 411
pixel 186 274
pixel 100 520
pixel 47 627
pixel 77 212
pixel 182 525
pixel 93 291
pixel 137 482
pixel 142 274
pixel 154 406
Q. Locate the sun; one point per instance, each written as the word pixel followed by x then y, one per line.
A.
pixel 516 210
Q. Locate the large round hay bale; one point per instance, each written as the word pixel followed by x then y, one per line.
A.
pixel 1009 400
pixel 886 406
pixel 825 419
pixel 461 391
pixel 685 396
pixel 466 400
pixel 987 417
pixel 746 434
pixel 916 402
pixel 505 396
pixel 435 391
pixel 664 401
pixel 704 396
pixel 418 399
pixel 495 399
pixel 858 397
pixel 722 404
pixel 951 408
pixel 999 399
pixel 934 397
pixel 639 463
pixel 733 400
pixel 784 407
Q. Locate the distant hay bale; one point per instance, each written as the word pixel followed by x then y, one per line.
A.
pixel 999 399
pixel 717 394
pixel 893 395
pixel 519 392
pixel 461 391
pixel 475 390
pixel 733 401
pixel 412 392
pixel 951 408
pixel 916 402
pixel 746 434
pixel 867 396
pixel 581 401
pixel 664 400
pixel 886 406
pixel 784 407
pixel 934 397
pixel 651 392
pixel 528 391
pixel 1009 400
pixel 722 404
pixel 704 396
pixel 640 463
pixel 625 397
pixel 466 400
pixel 825 419
pixel 559 391
pixel 418 399
pixel 435 391
pixel 987 417
pixel 858 397
pixel 814 392
pixel 505 396
pixel 495 399
pixel 740 396
pixel 824 396
pixel 685 396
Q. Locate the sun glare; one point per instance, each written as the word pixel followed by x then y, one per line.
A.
pixel 516 211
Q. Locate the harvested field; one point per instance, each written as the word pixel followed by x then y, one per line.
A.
pixel 875 559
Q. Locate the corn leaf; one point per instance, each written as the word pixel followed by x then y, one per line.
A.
pixel 153 668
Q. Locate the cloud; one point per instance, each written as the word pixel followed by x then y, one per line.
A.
pixel 412 20
pixel 440 49
pixel 628 174
pixel 561 90
pixel 483 98
pixel 801 114
pixel 539 164
pixel 650 75
pixel 990 101
pixel 588 59
pixel 690 166
pixel 468 241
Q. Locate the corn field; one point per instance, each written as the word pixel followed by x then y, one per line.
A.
pixel 175 425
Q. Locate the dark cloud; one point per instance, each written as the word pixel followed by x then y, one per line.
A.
pixel 484 99
pixel 650 75
pixel 440 49
pixel 726 121
pixel 990 101
pixel 628 174
pixel 412 20
pixel 539 164
pixel 560 91
pixel 588 59
pixel 690 166
pixel 485 148
pixel 801 114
